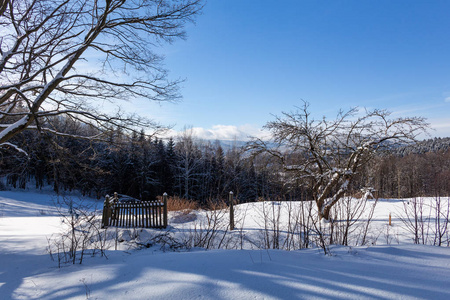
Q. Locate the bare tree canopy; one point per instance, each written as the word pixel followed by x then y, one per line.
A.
pixel 325 155
pixel 47 48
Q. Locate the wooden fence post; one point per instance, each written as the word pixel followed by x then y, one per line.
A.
pixel 165 210
pixel 231 211
pixel 390 220
pixel 106 215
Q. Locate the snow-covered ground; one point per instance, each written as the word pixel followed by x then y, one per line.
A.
pixel 392 268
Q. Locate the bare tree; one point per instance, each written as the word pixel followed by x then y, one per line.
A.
pixel 48 60
pixel 188 165
pixel 326 154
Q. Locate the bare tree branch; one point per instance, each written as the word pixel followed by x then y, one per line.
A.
pixel 328 153
pixel 45 41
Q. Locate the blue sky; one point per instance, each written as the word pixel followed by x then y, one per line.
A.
pixel 245 61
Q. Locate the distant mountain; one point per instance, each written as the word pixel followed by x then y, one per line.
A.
pixel 430 145
pixel 230 144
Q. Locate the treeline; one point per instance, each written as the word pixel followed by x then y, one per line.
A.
pixel 425 146
pixel 411 175
pixel 135 165
pixel 203 171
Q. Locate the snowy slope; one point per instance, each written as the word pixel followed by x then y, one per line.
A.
pixel 400 271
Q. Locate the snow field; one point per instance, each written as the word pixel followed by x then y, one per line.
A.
pixel 391 268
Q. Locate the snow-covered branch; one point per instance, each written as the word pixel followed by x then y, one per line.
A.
pixel 45 40
pixel 15 147
pixel 327 154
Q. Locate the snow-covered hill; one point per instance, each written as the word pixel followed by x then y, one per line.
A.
pixel 393 268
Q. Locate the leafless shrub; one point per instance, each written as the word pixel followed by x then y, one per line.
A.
pixel 270 215
pixel 414 219
pixel 363 238
pixel 300 231
pixel 427 223
pixel 351 220
pixel 82 232
pixel 164 240
pixel 389 236
pixel 304 224
pixel 441 208
pixel 348 224
pixel 210 231
pixel 240 216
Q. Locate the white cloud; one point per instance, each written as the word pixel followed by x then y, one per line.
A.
pixel 226 132
pixel 439 127
pixel 223 132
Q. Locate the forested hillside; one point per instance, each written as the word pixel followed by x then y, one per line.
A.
pixel 135 165
pixel 425 146
pixel 421 169
pixel 145 167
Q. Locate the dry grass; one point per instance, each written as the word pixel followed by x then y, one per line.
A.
pixel 186 206
pixel 216 204
pixel 181 204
